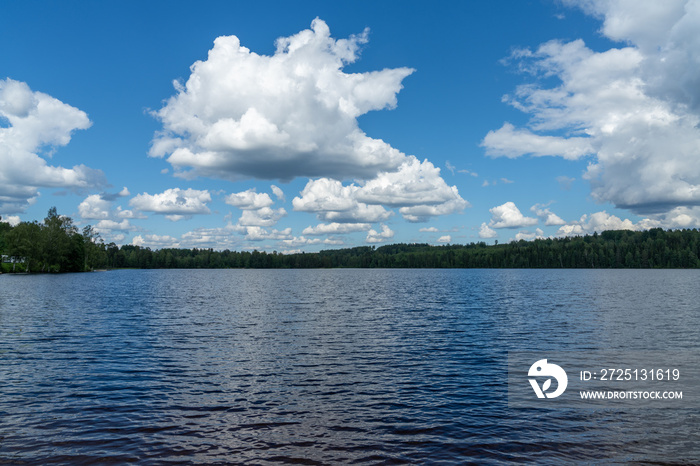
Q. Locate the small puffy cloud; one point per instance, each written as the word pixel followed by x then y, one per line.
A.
pixel 528 236
pixel 263 217
pixel 415 183
pixel 303 241
pixel 94 207
pixel 249 200
pixel 220 238
pixel 13 220
pixel 241 114
pixel 445 239
pixel 416 187
pixel 597 222
pixel 333 202
pixel 110 220
pixel 174 203
pixel 108 226
pixel 509 216
pixel 423 213
pixel 155 241
pixel 256 208
pixel 256 233
pixel 335 228
pixel 428 230
pixel 485 232
pixel 277 192
pixel 34 125
pixel 378 237
pixel 549 217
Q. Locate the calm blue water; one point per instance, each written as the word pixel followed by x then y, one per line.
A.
pixel 326 366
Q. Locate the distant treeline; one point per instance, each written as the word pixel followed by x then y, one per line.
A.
pixel 57 246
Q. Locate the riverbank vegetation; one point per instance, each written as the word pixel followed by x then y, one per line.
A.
pixel 57 245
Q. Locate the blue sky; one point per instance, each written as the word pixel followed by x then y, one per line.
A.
pixel 376 122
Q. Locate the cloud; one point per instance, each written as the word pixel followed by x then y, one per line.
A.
pixel 335 228
pixel 294 113
pixel 95 207
pixel 155 241
pixel 378 237
pixel 565 182
pixel 249 200
pixel 256 233
pixel 445 239
pixel 263 217
pixel 256 208
pixel 468 172
pixel 428 230
pixel 416 188
pixel 511 142
pixel 220 238
pixel 277 192
pixel 13 220
pixel 174 203
pixel 110 220
pixel 550 218
pixel 528 236
pixel 635 108
pixel 32 126
pixel 509 216
pixel 485 232
pixel 333 202
pixel 597 222
pixel 107 227
pixel 414 183
pixel 303 241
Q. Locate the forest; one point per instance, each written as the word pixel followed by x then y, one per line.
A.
pixel 57 245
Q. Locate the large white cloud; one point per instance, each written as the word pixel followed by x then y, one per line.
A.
pixel 174 203
pixel 636 108
pixel 291 114
pixel 32 125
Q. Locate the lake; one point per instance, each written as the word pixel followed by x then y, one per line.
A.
pixel 362 366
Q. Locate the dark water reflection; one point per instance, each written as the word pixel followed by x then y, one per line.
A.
pixel 326 366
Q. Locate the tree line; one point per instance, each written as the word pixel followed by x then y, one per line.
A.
pixel 56 245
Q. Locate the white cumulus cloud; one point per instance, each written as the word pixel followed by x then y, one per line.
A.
pixel 634 108
pixel 549 217
pixel 486 232
pixel 33 125
pixel 174 203
pixel 509 216
pixel 335 228
pixel 374 236
pixel 294 113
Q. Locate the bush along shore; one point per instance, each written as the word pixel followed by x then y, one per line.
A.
pixel 57 245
